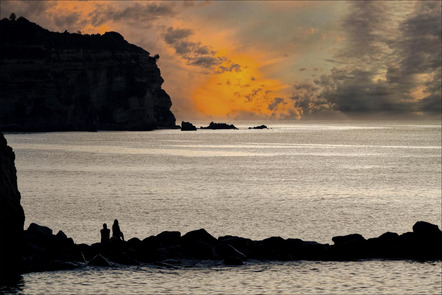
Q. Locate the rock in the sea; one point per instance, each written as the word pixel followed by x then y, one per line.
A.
pixel 226 250
pixel 215 126
pixel 348 239
pixel 63 81
pixel 259 127
pixel 199 244
pixel 187 126
pixel 427 230
pixel 200 235
pixel 12 216
pixel 169 238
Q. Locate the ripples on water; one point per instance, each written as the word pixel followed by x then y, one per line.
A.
pixel 308 181
pixel 303 277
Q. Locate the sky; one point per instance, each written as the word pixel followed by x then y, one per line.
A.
pixel 274 60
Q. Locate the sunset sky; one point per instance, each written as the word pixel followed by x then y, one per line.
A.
pixel 274 59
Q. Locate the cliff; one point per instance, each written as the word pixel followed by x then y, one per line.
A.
pixel 12 217
pixel 61 81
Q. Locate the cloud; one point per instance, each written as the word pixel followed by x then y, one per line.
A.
pixel 144 13
pixel 197 54
pixel 66 21
pixel 387 64
pixel 276 102
pixel 232 67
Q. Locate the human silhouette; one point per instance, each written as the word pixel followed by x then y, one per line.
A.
pixel 105 233
pixel 116 232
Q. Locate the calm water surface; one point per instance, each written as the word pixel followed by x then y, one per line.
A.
pixel 310 181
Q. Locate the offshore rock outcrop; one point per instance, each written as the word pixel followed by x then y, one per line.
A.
pixel 12 217
pixel 216 126
pixel 46 251
pixel 187 126
pixel 61 81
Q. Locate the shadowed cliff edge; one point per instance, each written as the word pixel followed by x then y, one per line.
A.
pixel 62 81
pixel 12 217
pixel 38 249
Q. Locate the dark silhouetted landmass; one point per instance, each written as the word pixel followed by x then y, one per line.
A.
pixel 61 81
pixel 187 126
pixel 12 217
pixel 215 126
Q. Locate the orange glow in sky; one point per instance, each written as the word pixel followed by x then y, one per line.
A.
pixel 271 59
pixel 229 93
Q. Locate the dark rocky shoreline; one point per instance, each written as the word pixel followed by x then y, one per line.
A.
pixel 44 251
pixel 38 249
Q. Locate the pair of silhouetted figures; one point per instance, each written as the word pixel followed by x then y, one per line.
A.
pixel 116 232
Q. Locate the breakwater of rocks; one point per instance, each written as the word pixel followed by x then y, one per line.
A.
pixel 44 250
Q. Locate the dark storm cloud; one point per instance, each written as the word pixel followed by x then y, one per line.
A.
pixel 365 27
pixel 420 41
pixel 25 7
pixel 67 21
pixel 137 12
pixel 382 66
pixel 196 54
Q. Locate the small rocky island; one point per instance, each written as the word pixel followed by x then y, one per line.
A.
pixel 259 127
pixel 38 249
pixel 71 81
pixel 187 126
pixel 217 126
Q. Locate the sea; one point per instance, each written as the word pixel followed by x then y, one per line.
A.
pixel 311 180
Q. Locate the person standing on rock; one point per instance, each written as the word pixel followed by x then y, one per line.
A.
pixel 116 232
pixel 105 233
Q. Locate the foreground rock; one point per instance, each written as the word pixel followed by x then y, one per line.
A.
pixel 63 81
pixel 12 216
pixel 216 126
pixel 46 251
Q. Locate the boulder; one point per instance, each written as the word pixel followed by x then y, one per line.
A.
pixel 61 235
pixel 199 244
pixel 384 246
pixel 194 249
pixel 349 247
pixel 243 245
pixel 134 243
pixel 169 238
pixel 146 252
pixel 226 250
pixel 427 230
pixel 200 235
pixel 348 239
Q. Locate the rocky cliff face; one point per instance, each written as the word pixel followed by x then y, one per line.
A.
pixel 63 81
pixel 12 216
